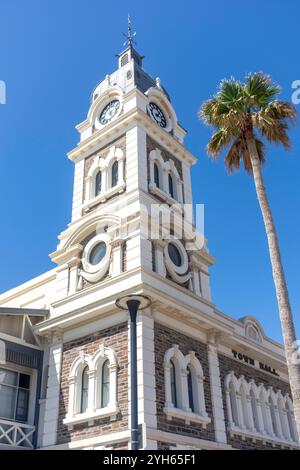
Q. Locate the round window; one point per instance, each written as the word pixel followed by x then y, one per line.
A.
pixel 174 254
pixel 97 253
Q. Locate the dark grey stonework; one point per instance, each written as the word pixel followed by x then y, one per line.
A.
pixel 227 365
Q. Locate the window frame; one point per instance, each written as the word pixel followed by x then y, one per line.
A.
pixel 32 373
pixel 95 366
pixel 114 175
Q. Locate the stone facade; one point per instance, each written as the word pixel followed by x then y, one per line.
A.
pixel 117 339
pixel 227 365
pixel 83 316
pixel 152 145
pixel 164 339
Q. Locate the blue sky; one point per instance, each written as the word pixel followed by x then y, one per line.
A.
pixel 53 53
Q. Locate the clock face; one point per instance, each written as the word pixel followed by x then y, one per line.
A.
pixel 109 112
pixel 157 114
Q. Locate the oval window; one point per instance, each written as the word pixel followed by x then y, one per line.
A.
pixel 97 253
pixel 174 254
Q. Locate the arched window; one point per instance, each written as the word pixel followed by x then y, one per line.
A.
pixel 114 174
pixel 244 403
pixel 171 186
pixel 290 419
pixel 173 384
pixel 156 175
pixel 264 410
pixel 273 417
pixel 105 384
pixel 98 183
pixel 233 404
pixel 253 333
pixel 254 409
pixel 84 390
pixel 190 388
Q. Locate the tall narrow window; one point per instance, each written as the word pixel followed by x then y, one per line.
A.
pixel 254 410
pixel 114 174
pixel 171 186
pixel 105 384
pixel 156 175
pixel 190 388
pixel 273 417
pixel 84 390
pixel 98 183
pixel 173 384
pixel 244 403
pixel 290 422
pixel 233 404
pixel 264 412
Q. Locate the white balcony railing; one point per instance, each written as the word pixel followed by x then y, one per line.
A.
pixel 16 434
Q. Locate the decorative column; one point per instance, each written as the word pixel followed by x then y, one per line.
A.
pixel 73 274
pixel 167 375
pixel 53 390
pixel 260 418
pixel 91 406
pixel 183 393
pixel 293 431
pixel 229 411
pixel 159 257
pixel 194 266
pixel 202 410
pixel 67 270
pixel 269 420
pixel 250 414
pixel 285 425
pixel 240 410
pixel 205 284
pixel 278 422
pixel 180 190
pixel 116 265
pixel 216 390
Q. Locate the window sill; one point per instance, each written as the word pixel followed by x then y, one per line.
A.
pixel 102 197
pixel 187 416
pixel 90 417
pixel 256 436
pixel 170 200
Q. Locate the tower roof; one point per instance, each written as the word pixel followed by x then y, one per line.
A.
pixel 130 72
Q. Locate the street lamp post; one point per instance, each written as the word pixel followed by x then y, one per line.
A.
pixel 133 303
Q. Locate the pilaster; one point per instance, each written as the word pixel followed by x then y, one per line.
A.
pixel 216 391
pixel 53 390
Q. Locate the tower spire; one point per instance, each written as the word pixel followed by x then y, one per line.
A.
pixel 130 52
pixel 130 35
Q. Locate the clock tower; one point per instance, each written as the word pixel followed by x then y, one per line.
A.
pixel 130 233
pixel 199 379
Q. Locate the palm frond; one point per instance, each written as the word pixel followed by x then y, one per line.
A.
pixel 231 94
pixel 234 156
pixel 219 141
pixel 212 112
pixel 281 110
pixel 260 89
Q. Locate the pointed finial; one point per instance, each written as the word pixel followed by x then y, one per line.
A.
pixel 129 36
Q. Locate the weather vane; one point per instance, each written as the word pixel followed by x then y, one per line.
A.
pixel 130 35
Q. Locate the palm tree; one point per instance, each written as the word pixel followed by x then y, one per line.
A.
pixel 243 115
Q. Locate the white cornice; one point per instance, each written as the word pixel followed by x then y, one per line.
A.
pixel 28 286
pixel 131 118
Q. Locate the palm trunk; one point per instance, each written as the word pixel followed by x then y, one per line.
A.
pixel 285 312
